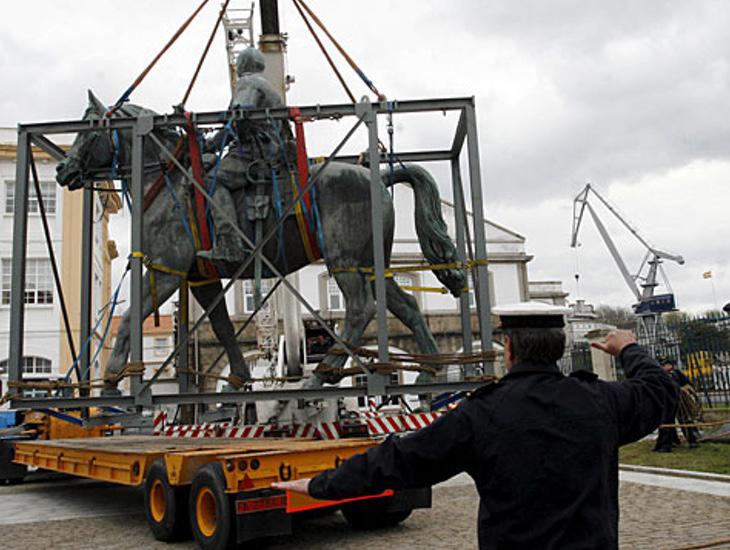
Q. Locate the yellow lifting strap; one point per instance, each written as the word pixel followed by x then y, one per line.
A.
pixel 389 272
pixel 436 289
pixel 151 268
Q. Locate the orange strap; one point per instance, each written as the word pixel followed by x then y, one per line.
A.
pixel 209 270
pixel 305 205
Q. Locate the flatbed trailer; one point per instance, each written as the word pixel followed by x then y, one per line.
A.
pixel 220 489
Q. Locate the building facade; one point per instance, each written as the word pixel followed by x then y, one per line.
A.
pixel 46 352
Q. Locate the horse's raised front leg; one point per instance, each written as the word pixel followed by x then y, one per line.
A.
pixel 223 327
pixel 165 285
pixel 405 307
pixel 359 311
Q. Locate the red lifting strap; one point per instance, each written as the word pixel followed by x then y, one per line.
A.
pixel 199 200
pixel 302 161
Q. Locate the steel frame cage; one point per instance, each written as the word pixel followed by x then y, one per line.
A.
pixel 30 135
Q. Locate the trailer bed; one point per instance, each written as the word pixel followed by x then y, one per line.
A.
pixel 218 488
pixel 125 459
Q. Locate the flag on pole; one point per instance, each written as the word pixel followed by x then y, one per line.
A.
pixel 707 275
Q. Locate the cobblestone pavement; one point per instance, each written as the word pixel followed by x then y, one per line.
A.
pixel 651 518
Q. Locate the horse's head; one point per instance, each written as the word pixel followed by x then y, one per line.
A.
pixel 92 150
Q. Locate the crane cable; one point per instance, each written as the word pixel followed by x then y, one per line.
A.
pixel 204 54
pixel 128 92
pixel 577 270
pixel 350 61
pixel 325 52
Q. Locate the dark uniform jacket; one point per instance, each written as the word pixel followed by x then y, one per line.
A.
pixel 541 447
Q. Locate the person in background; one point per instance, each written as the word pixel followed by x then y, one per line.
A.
pixel 668 436
pixel 541 447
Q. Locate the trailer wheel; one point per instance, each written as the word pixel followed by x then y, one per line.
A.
pixel 165 505
pixel 372 514
pixel 211 513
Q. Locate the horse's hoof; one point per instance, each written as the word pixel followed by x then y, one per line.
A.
pixel 110 392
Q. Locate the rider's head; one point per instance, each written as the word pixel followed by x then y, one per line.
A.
pixel 250 60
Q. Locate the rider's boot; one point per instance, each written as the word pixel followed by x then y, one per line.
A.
pixel 229 246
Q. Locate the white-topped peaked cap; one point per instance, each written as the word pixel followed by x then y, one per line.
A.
pixel 531 315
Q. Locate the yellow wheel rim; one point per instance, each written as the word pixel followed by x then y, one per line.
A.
pixel 158 504
pixel 205 512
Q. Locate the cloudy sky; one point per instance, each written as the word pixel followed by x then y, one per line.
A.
pixel 631 96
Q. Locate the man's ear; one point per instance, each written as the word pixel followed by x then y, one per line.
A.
pixel 507 345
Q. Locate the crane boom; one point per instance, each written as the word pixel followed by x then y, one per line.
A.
pixel 645 297
pixel 614 252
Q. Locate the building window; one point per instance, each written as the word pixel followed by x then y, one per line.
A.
pixel 249 303
pixel 31 365
pixel 48 192
pixel 38 281
pixel 335 299
pixel 37 365
pixel 35 392
pixel 160 346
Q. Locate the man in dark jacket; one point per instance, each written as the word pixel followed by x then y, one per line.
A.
pixel 667 437
pixel 541 447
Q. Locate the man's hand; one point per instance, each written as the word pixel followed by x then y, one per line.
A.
pixel 615 342
pixel 298 486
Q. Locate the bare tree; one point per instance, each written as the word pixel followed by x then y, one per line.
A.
pixel 622 317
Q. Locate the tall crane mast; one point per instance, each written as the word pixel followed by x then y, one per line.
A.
pixel 647 302
pixel 238 25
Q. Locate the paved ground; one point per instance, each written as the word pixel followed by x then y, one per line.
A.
pixel 80 515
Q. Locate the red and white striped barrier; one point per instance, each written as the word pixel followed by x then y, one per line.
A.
pixel 159 422
pixel 377 425
pixel 391 424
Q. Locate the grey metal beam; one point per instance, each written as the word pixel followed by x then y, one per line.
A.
pixel 219 117
pixel 87 262
pixel 481 281
pixel 183 309
pixel 407 156
pixel 137 245
pixel 459 136
pixel 460 222
pixel 376 382
pixel 20 239
pixel 241 397
pixel 42 142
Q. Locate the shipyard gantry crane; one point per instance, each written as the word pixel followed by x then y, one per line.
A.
pixel 649 306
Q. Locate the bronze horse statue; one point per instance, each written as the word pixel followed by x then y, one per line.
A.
pixel 343 202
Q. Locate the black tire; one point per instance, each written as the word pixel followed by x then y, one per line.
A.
pixel 211 510
pixel 165 506
pixel 372 514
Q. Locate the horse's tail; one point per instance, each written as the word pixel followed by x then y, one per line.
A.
pixel 436 245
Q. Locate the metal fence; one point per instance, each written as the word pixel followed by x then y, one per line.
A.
pixel 577 357
pixel 700 346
